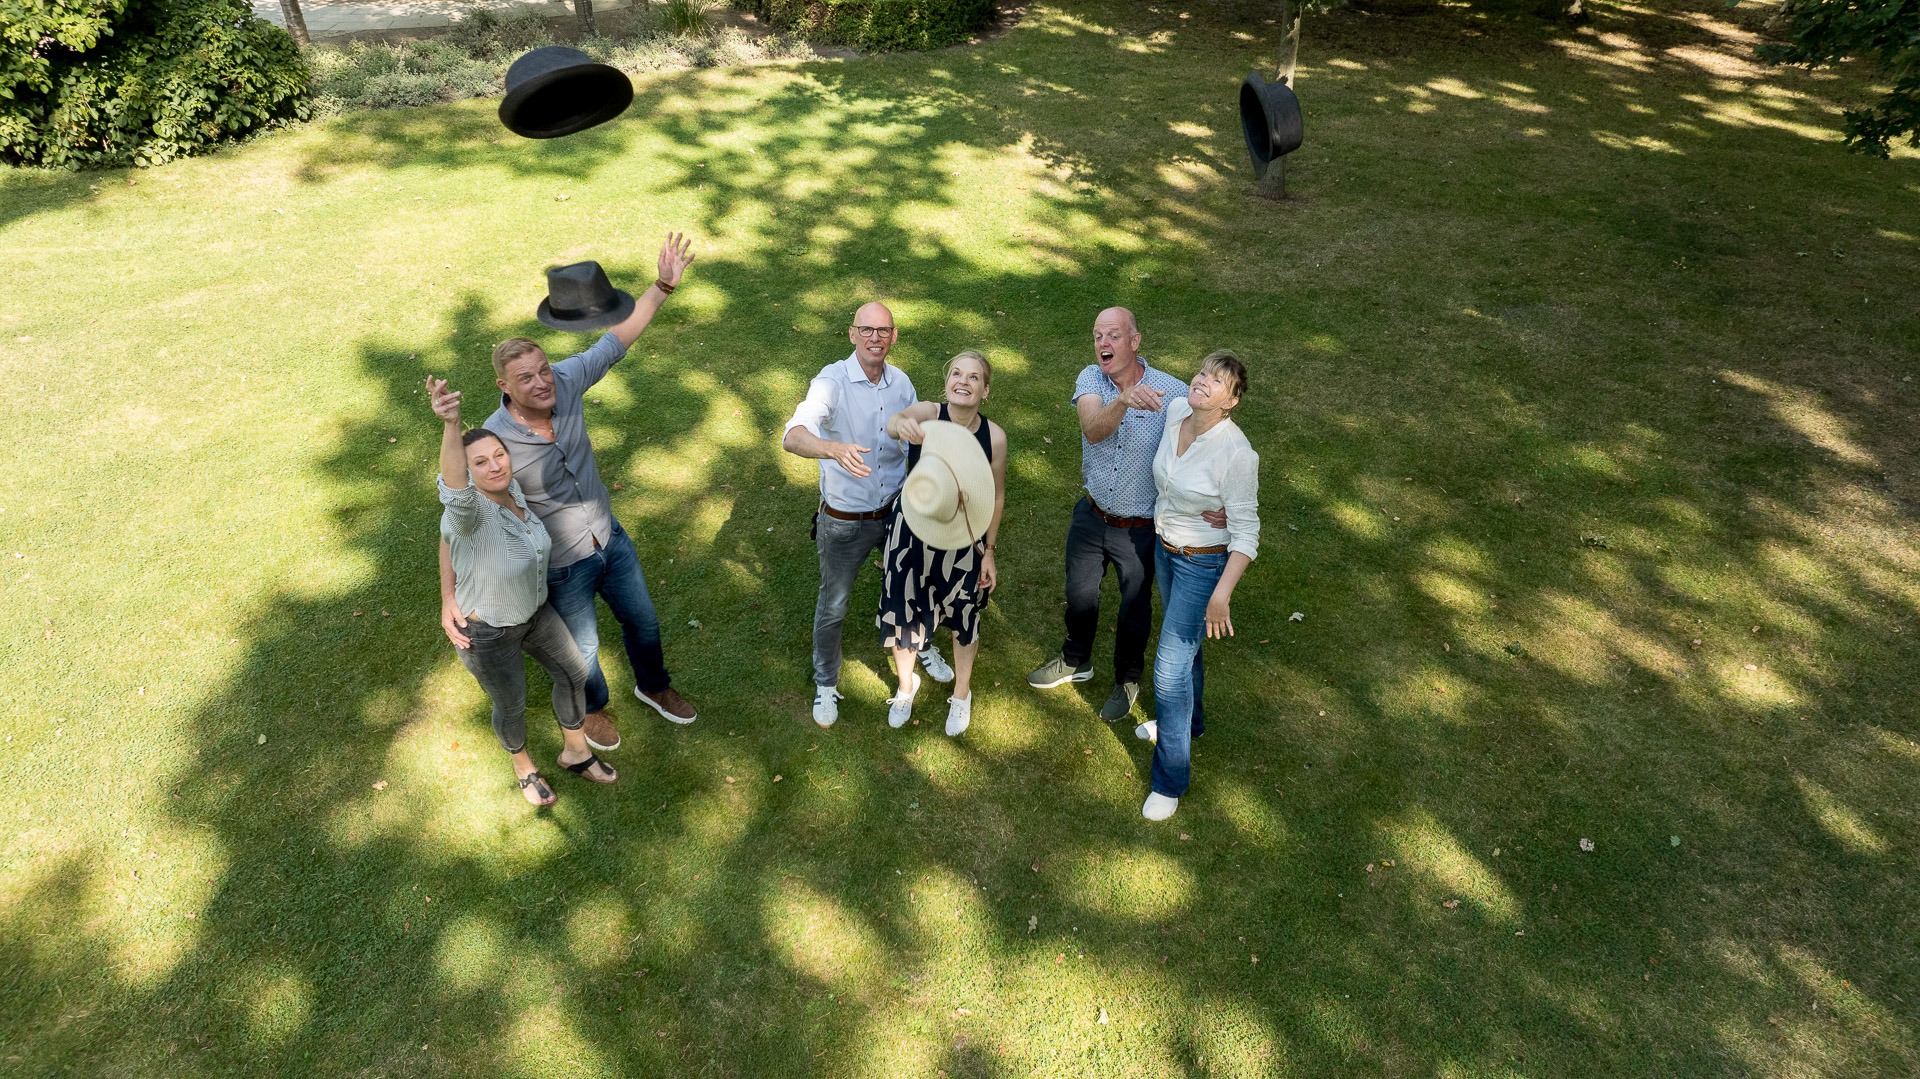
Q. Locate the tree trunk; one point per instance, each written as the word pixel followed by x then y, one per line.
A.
pixel 296 22
pixel 1289 38
pixel 583 10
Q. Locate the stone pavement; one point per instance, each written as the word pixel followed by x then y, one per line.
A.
pixel 336 19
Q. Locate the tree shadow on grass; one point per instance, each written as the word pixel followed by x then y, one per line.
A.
pixel 1504 557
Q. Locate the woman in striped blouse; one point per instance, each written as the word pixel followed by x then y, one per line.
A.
pixel 1204 464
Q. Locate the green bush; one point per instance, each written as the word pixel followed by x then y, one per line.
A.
pixel 138 83
pixel 877 25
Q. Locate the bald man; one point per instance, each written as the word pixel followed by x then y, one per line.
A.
pixel 1121 402
pixel 842 423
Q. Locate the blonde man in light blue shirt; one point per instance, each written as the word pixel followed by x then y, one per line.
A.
pixel 842 423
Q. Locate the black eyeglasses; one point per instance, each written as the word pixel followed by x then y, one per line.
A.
pixel 868 333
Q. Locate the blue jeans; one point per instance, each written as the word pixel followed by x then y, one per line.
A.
pixel 613 573
pixel 1186 584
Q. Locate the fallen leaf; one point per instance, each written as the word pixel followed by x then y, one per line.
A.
pixel 1103 1017
pixel 778 778
pixel 962 1011
pixel 1254 960
pixel 1673 841
pixel 1369 867
pixel 1033 922
pixel 1297 616
pixel 1059 959
pixel 1184 835
pixel 1751 667
pixel 729 779
pixel 1047 440
pixel 380 785
pixel 260 741
pixel 1586 844
pixel 1451 903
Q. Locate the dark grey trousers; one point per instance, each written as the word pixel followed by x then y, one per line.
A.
pixel 493 658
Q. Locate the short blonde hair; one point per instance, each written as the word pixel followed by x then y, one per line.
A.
pixel 510 350
pixel 1224 362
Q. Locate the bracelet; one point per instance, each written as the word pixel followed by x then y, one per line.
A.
pixel 664 287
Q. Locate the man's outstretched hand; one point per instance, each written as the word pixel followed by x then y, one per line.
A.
pixel 675 256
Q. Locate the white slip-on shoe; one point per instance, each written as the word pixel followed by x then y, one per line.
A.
pixel 1148 731
pixel 900 708
pixel 826 705
pixel 1159 806
pixel 959 715
pixel 936 665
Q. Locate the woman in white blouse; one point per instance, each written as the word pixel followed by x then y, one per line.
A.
pixel 1204 463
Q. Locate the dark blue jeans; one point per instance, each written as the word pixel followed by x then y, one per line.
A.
pixel 613 573
pixel 1186 584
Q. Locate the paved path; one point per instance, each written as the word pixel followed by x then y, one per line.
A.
pixel 337 19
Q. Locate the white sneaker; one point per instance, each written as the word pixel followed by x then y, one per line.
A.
pixel 826 705
pixel 936 665
pixel 900 708
pixel 1148 732
pixel 959 714
pixel 1159 806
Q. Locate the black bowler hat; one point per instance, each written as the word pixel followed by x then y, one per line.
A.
pixel 1270 119
pixel 579 297
pixel 554 91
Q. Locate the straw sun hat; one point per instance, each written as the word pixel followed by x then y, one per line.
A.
pixel 948 497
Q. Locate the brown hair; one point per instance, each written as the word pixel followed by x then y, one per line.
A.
pixel 510 350
pixel 986 368
pixel 1222 361
pixel 479 433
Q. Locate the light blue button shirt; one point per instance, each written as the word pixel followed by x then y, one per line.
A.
pixel 1118 471
pixel 843 405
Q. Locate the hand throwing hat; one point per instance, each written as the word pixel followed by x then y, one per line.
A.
pixel 948 498
pixel 579 297
pixel 554 91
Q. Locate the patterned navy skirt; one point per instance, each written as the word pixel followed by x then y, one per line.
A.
pixel 922 589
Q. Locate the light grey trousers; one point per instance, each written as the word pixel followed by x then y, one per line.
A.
pixel 844 547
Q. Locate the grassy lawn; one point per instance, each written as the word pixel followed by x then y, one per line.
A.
pixel 1584 376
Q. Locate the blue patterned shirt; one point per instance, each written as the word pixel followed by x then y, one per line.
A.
pixel 1118 471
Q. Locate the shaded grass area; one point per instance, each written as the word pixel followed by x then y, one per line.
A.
pixel 1581 375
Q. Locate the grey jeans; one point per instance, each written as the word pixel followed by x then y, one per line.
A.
pixel 844 548
pixel 492 656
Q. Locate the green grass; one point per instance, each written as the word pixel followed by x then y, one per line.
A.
pixel 1583 376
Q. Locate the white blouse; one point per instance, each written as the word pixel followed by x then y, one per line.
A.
pixel 1218 470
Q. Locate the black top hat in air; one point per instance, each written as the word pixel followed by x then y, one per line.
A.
pixel 554 91
pixel 579 297
pixel 1270 118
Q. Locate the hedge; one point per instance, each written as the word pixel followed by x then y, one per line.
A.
pixel 117 83
pixel 877 25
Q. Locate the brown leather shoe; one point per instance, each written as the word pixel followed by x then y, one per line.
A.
pixel 600 732
pixel 669 703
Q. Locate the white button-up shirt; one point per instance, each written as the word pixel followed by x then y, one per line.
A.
pixel 1218 470
pixel 843 405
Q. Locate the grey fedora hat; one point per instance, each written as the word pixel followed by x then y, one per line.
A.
pixel 579 297
pixel 554 91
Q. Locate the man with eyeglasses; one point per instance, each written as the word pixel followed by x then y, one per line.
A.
pixel 842 423
pixel 1119 399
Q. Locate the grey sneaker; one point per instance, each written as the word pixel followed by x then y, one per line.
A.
pixel 1056 672
pixel 1120 701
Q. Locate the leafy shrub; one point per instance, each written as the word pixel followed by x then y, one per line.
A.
pixel 118 82
pixel 877 25
pixel 1886 34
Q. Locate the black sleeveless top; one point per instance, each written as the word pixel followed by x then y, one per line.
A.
pixel 984 436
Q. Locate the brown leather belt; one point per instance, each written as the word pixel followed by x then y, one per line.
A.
pixel 871 515
pixel 1218 548
pixel 1117 522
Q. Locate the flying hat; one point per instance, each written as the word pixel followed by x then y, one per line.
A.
pixel 554 91
pixel 579 297
pixel 948 497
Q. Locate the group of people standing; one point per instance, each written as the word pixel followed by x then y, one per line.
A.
pixel 1171 489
